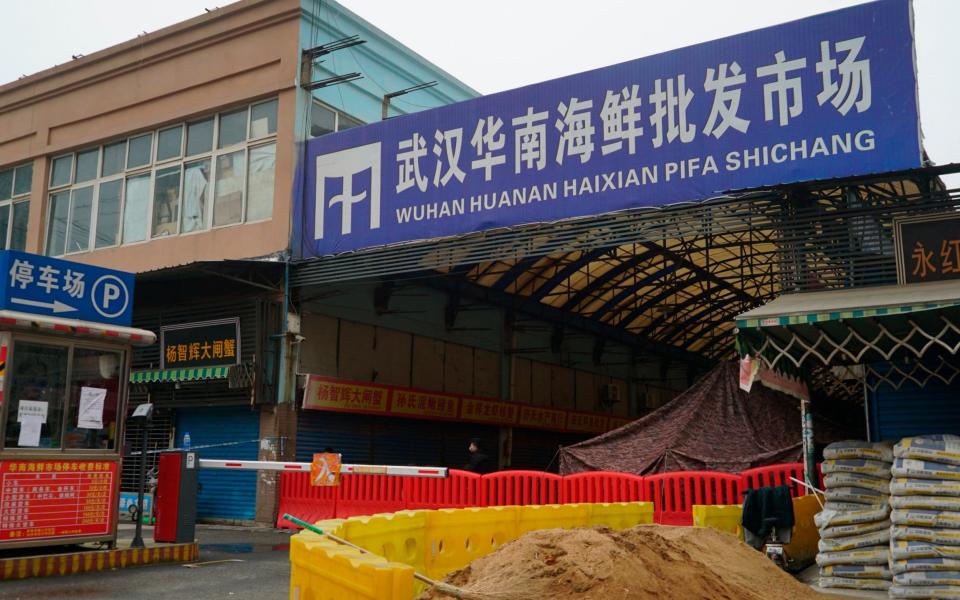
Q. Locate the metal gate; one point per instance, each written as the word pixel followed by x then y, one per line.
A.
pixel 223 433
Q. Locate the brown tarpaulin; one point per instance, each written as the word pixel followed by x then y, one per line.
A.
pixel 713 426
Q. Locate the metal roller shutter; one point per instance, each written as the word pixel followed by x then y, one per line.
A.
pixel 912 410
pixel 348 434
pixel 536 450
pixel 456 438
pixel 365 439
pixel 223 494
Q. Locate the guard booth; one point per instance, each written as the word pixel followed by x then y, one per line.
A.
pixel 65 345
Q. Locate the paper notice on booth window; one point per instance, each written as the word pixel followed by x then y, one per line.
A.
pixel 30 431
pixel 90 415
pixel 32 408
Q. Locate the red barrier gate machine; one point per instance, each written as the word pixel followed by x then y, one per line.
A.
pixel 65 344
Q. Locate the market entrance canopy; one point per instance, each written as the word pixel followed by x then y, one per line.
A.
pixel 919 323
pixel 833 95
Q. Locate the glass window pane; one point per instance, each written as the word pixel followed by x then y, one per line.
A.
pixel 196 194
pixel 346 122
pixel 136 201
pixel 57 226
pixel 228 189
pixel 200 137
pixel 6 184
pixel 4 223
pixel 138 150
pixel 114 156
pixel 166 201
pixel 60 171
pixel 322 120
pixel 18 237
pixel 263 119
pixel 168 143
pixel 93 399
pixel 24 180
pixel 108 213
pixel 78 235
pixel 39 376
pixel 260 182
pixel 233 128
pixel 87 165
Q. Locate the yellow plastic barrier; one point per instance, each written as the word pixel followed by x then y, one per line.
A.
pixel 552 516
pixel 620 515
pixel 455 537
pixel 434 542
pixel 803 545
pixel 398 536
pixel 321 569
pixel 723 517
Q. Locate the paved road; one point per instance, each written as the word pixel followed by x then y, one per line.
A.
pixel 257 569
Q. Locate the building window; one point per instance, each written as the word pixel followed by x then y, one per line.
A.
pixel 52 384
pixel 184 178
pixel 324 119
pixel 15 186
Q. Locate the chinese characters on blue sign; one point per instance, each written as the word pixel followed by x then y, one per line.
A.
pixel 50 286
pixel 832 95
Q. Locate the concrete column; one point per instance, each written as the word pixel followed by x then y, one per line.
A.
pixel 278 434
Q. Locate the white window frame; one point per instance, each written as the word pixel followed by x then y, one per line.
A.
pixel 14 200
pixel 151 169
pixel 336 118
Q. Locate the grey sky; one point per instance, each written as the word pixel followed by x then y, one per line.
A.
pixel 501 44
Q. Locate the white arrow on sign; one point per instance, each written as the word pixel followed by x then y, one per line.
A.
pixel 56 306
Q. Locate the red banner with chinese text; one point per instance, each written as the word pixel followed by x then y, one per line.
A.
pixel 327 393
pixel 48 499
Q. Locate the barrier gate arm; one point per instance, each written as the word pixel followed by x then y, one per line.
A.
pixel 267 465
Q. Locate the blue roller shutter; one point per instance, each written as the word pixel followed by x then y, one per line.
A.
pixel 408 442
pixel 348 434
pixel 367 439
pixel 912 410
pixel 223 494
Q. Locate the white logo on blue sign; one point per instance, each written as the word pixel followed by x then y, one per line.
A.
pixel 348 183
pixel 110 296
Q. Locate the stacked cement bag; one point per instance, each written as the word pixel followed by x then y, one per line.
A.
pixel 854 525
pixel 925 536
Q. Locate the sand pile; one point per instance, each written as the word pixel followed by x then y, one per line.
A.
pixel 648 561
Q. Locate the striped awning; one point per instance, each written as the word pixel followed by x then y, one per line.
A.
pixel 176 375
pixel 856 303
pixel 858 326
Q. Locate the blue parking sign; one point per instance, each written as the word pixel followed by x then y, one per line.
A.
pixel 60 288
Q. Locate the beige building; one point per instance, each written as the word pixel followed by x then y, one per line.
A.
pixel 174 155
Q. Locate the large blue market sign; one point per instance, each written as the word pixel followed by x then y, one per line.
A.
pixel 50 286
pixel 833 95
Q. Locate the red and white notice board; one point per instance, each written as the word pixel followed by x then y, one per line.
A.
pixel 48 499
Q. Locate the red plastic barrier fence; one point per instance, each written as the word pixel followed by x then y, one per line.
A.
pixel 774 475
pixel 601 486
pixel 369 494
pixel 460 489
pixel 307 502
pixel 778 475
pixel 507 488
pixel 674 494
